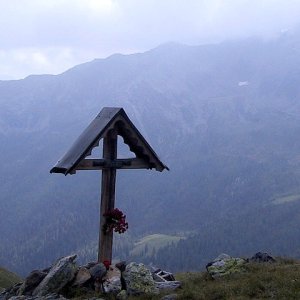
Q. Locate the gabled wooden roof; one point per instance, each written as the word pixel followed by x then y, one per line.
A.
pixel 109 118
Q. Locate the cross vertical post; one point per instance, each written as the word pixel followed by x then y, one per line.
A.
pixel 107 195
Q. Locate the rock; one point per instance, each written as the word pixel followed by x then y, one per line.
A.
pixel 122 295
pixel 112 280
pixel 121 266
pixel 138 280
pixel 82 276
pixel 222 256
pixel 113 271
pixel 112 285
pixel 46 270
pixel 168 285
pixel 261 257
pixel 225 265
pixel 10 292
pixel 31 282
pixel 90 265
pixel 98 286
pixel 52 296
pixel 170 297
pixel 98 271
pixel 60 274
pixel 3 295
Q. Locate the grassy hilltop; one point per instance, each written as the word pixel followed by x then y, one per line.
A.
pixel 280 280
pixel 7 278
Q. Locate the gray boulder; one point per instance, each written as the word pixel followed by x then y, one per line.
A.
pixel 112 280
pixel 3 295
pixel 82 276
pixel 112 285
pixel 262 257
pixel 225 265
pixel 98 271
pixel 222 256
pixel 138 280
pixel 90 265
pixel 10 292
pixel 60 274
pixel 31 282
pixel 121 265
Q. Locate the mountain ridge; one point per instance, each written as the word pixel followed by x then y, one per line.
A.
pixel 231 147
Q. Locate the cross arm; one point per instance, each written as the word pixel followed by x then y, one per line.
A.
pixel 100 164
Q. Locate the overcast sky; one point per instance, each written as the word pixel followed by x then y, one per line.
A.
pixel 50 36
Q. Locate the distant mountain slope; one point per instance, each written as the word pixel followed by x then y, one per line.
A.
pixel 224 118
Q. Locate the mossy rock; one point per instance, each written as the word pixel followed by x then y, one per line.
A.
pixel 225 266
pixel 138 279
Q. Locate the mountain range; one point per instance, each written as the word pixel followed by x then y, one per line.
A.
pixel 225 118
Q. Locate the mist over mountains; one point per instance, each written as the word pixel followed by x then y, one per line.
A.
pixel 225 118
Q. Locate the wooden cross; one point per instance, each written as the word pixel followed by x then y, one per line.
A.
pixel 108 124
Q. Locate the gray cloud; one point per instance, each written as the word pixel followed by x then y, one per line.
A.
pixel 50 36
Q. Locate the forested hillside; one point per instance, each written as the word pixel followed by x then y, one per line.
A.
pixel 224 118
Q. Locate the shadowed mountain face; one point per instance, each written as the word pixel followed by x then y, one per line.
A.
pixel 225 118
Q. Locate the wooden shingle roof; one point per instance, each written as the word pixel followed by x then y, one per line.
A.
pixel 108 118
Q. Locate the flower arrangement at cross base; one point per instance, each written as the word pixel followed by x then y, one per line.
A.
pixel 115 220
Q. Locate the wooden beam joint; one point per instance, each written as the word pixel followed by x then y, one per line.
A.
pixel 116 163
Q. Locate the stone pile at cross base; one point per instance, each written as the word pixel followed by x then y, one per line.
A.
pixel 65 279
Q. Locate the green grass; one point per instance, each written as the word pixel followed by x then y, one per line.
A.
pixel 260 281
pixel 8 278
pixel 153 242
